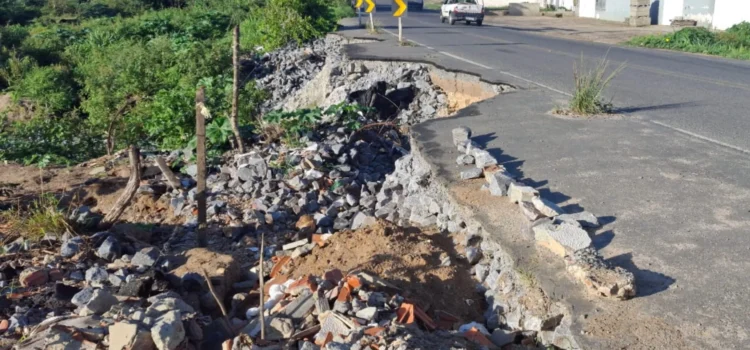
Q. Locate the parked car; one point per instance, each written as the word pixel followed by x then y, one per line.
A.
pixel 461 10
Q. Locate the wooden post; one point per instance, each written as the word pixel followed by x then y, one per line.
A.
pixel 236 88
pixel 262 287
pixel 130 189
pixel 200 150
pixel 173 181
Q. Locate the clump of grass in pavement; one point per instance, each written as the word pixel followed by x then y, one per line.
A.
pixel 590 83
pixel 374 27
pixel 733 43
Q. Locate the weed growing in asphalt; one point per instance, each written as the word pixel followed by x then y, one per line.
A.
pixel 374 27
pixel 590 83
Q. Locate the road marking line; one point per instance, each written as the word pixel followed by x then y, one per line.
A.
pixel 487 67
pixel 704 138
pixel 680 130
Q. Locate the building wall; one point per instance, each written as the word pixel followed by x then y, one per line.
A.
pixel 568 4
pixel 613 10
pixel 701 11
pixel 730 12
pixel 669 10
pixel 587 8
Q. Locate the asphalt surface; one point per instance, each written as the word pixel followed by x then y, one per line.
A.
pixel 669 178
pixel 704 96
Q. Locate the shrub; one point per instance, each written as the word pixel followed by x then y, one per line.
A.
pixel 61 140
pixel 734 43
pixel 49 88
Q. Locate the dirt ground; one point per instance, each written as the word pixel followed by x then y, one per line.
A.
pixel 409 259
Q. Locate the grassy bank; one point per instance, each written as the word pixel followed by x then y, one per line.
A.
pixel 733 43
pixel 82 73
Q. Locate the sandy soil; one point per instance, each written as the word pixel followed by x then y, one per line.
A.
pixel 408 258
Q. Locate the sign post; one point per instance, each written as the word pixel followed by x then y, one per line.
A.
pixel 369 9
pixel 399 9
pixel 358 5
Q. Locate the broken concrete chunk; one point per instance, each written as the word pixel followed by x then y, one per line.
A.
pixel 368 313
pixel 562 239
pixel 280 328
pixel 471 174
pixel 584 218
pixel 518 193
pixel 461 134
pixel 502 337
pixel 99 301
pixel 498 183
pixel 484 159
pixel 295 244
pixel 168 331
pixel 546 207
pixel 362 220
pixel 473 255
pixel 529 211
pixel 146 257
pixel 465 159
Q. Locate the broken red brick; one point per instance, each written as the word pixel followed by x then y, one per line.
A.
pixel 374 331
pixel 279 263
pixel 405 313
pixel 344 294
pixel 476 336
pixel 426 320
pixel 353 281
pixel 33 277
pixel 4 324
pixel 55 275
pixel 322 343
pixel 445 320
pixel 307 281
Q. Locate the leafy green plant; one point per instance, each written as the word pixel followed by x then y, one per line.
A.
pixel 590 83
pixel 348 114
pixel 49 88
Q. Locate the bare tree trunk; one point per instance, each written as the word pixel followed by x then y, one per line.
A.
pixel 111 130
pixel 200 134
pixel 132 187
pixel 236 88
pixel 171 178
pixel 261 307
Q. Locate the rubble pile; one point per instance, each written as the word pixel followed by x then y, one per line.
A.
pixel 320 74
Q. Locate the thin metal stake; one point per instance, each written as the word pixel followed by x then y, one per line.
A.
pixel 399 29
pixel 372 23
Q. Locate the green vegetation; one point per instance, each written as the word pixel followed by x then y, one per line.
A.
pixel 590 83
pixel 289 126
pixel 42 217
pixel 99 75
pixel 733 43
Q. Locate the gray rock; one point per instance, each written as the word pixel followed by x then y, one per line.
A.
pixel 362 220
pixel 342 306
pixel 71 247
pixel 584 218
pixel 96 276
pixel 81 298
pixel 546 207
pixel 473 255
pixel 465 159
pixel 562 239
pixel 498 183
pixel 501 337
pixel 99 302
pixel 191 170
pixel 518 193
pixel 461 134
pixel 146 257
pixel 368 313
pixel 115 280
pixel 177 203
pixel 483 159
pixel 168 331
pixel 471 174
pixel 530 211
pixel 110 249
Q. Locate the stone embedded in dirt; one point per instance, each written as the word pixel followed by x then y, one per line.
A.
pixel 96 276
pixel 110 249
pixel 71 247
pixel 461 134
pixel 164 302
pixel 168 331
pixel 518 193
pixel 125 336
pixel 473 255
pixel 146 257
pixel 136 287
pixel 99 302
pixel 177 203
pixel 33 277
pixel 471 174
pixel 223 269
pixel 546 207
pixel 362 220
pixel 584 218
pixel 498 183
pixel 562 239
pixel 279 328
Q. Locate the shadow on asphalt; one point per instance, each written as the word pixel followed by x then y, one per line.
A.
pixel 657 107
pixel 647 282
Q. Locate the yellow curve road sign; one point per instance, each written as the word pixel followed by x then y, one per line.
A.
pixel 370 5
pixel 358 4
pixel 400 8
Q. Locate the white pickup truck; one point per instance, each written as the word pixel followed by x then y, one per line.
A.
pixel 461 10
